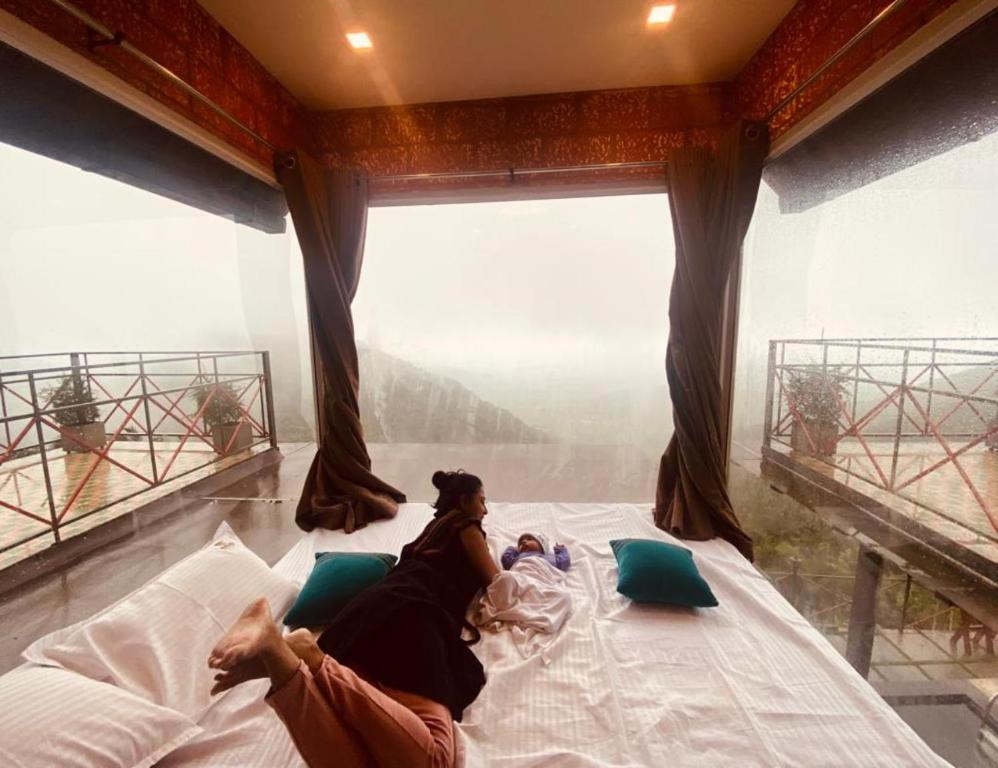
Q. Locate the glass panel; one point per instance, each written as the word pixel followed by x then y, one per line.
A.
pixel 523 341
pixel 94 272
pixel 866 424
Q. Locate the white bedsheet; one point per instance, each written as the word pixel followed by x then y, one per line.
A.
pixel 531 601
pixel 749 683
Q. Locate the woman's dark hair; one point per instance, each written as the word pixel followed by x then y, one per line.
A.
pixel 453 486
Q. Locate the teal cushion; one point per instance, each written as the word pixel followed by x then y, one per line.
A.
pixel 335 580
pixel 656 572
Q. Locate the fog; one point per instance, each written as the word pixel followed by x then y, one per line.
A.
pixel 556 310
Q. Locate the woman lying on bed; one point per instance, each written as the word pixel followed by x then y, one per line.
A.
pixel 385 681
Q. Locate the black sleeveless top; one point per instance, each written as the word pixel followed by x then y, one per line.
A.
pixel 405 631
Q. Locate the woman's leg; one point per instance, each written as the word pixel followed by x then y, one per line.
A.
pixel 397 728
pixel 254 648
pixel 316 697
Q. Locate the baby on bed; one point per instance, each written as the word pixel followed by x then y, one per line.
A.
pixel 529 599
pixel 535 545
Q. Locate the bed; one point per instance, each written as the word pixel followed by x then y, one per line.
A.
pixel 749 683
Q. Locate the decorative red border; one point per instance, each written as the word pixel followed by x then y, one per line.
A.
pixel 806 38
pixel 183 37
pixel 628 125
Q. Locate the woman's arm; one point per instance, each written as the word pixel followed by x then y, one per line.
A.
pixel 474 543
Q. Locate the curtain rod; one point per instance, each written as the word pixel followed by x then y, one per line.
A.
pixel 118 39
pixel 871 25
pixel 512 173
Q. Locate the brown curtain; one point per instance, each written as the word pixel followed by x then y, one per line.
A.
pixel 712 195
pixel 329 211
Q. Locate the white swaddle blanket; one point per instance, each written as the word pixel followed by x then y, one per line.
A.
pixel 530 600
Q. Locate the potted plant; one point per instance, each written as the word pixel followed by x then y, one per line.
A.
pixel 76 414
pixel 223 417
pixel 815 398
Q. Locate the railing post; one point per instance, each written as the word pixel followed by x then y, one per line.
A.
pixel 900 423
pixel 86 378
pixel 932 377
pixel 779 400
pixel 214 368
pixel 855 379
pixel 904 604
pixel 795 582
pixel 770 389
pixel 271 422
pixel 145 407
pixel 3 410
pixel 44 456
pixel 863 613
pixel 74 362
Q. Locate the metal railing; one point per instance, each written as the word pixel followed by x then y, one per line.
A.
pixel 905 408
pixel 83 431
pixel 826 600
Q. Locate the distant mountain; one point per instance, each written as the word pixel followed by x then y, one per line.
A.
pixel 403 403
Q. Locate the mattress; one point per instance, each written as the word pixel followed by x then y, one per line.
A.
pixel 749 683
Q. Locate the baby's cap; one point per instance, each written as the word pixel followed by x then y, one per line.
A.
pixel 540 538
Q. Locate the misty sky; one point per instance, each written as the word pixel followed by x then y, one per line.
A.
pixel 568 284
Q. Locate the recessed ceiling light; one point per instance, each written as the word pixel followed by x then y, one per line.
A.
pixel 661 14
pixel 359 40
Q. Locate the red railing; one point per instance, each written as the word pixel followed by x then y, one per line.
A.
pixel 140 418
pixel 903 410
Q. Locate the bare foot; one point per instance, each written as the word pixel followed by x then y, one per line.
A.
pixel 252 633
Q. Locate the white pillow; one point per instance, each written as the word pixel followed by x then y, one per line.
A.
pixel 155 642
pixel 51 717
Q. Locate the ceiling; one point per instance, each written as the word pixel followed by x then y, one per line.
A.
pixel 449 50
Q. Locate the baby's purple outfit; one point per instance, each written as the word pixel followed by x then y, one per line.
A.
pixel 559 558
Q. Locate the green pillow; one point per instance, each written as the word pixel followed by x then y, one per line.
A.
pixel 335 580
pixel 656 572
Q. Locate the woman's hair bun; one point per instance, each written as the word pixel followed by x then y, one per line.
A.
pixel 440 479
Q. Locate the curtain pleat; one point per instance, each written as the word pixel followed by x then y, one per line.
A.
pixel 712 196
pixel 329 211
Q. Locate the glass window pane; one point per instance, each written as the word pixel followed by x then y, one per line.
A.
pixel 866 422
pixel 93 272
pixel 523 341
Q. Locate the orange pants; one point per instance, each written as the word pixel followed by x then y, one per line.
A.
pixel 336 718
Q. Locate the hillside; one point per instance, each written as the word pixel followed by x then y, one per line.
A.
pixel 403 403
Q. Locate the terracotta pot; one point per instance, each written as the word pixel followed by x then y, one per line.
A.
pixel 221 434
pixel 93 434
pixel 825 435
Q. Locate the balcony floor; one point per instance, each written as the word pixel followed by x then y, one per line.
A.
pixel 22 484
